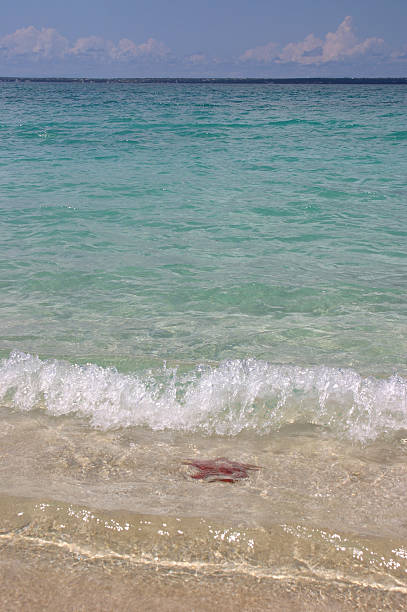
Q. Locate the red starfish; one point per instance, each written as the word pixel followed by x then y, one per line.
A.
pixel 220 469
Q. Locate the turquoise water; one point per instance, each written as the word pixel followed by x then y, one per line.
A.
pixel 225 247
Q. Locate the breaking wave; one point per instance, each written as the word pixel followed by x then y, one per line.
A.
pixel 237 395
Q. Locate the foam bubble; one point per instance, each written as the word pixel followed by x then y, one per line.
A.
pixel 235 396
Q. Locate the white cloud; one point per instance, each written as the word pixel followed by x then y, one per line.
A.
pixel 399 54
pixel 126 48
pixel 197 58
pixel 30 41
pixel 92 46
pixel 302 52
pixel 343 43
pixel 337 46
pixel 264 53
pixel 47 43
pixel 29 44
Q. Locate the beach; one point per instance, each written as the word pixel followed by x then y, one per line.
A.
pixel 195 271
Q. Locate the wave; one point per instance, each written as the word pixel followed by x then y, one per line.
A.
pixel 235 396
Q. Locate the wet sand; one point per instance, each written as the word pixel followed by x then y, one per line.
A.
pixel 36 579
pixel 56 556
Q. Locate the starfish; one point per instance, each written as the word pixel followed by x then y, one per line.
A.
pixel 220 469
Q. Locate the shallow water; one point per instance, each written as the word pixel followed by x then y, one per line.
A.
pixel 144 223
pixel 202 271
pixel 318 509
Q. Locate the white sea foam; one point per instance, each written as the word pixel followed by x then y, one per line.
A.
pixel 235 396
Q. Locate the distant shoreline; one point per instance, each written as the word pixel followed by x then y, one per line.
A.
pixel 216 80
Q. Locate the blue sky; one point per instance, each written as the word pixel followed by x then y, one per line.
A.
pixel 243 38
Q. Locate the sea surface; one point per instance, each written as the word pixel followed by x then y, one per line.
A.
pixel 196 271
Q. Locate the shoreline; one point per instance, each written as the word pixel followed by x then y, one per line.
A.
pixel 292 558
pixel 34 577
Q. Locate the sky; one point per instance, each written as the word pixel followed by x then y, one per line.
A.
pixel 198 38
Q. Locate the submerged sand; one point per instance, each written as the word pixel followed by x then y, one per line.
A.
pixel 38 578
pixel 93 520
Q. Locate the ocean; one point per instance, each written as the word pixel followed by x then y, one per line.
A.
pixel 193 271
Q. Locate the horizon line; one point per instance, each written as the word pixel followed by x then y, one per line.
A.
pixel 215 80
